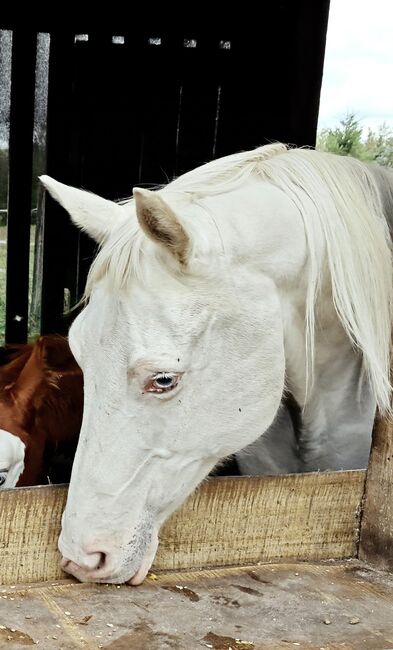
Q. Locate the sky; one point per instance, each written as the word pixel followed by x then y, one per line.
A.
pixel 358 71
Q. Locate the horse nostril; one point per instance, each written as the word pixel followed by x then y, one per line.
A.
pixel 101 562
pixel 93 561
pixel 88 562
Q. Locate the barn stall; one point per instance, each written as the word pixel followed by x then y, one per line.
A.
pixel 270 562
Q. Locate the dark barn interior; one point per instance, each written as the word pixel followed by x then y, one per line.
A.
pixel 139 105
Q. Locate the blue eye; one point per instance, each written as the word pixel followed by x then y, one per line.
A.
pixel 165 381
pixel 162 382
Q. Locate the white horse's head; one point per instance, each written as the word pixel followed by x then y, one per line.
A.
pixel 183 362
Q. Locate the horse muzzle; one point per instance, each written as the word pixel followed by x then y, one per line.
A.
pixel 109 566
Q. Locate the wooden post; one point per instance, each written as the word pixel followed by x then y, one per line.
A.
pixel 376 534
pixel 24 44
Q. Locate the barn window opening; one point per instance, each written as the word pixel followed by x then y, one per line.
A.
pixel 225 45
pixel 81 38
pixel 190 42
pixel 118 40
pixel 155 40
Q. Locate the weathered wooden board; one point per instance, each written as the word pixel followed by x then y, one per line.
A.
pixel 376 538
pixel 276 606
pixel 227 521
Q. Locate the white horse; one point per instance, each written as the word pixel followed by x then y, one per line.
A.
pixel 261 273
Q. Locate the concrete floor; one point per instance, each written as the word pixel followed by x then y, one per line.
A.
pixel 315 606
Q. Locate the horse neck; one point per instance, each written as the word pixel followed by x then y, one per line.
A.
pixel 273 243
pixel 262 234
pixel 261 231
pixel 338 408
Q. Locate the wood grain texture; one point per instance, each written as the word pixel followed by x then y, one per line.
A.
pixel 335 606
pixel 29 528
pixel 376 536
pixel 227 521
pixel 250 519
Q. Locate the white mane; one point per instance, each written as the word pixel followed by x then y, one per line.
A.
pixel 347 205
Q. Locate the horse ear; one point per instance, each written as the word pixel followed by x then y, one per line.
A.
pixel 88 211
pixel 160 223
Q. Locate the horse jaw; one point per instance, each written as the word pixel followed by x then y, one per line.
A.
pixel 89 212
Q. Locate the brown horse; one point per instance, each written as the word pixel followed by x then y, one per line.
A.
pixel 41 403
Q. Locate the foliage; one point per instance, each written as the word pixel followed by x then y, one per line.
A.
pixel 347 140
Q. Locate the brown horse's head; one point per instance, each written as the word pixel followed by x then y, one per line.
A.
pixel 41 401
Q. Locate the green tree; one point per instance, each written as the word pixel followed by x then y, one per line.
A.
pixel 378 145
pixel 346 140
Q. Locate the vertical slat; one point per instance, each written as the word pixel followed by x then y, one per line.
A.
pixel 106 113
pixel 158 92
pixel 126 123
pixel 272 77
pixel 105 108
pixel 376 533
pixel 60 260
pixel 309 27
pixel 198 109
pixel 19 187
pixel 254 89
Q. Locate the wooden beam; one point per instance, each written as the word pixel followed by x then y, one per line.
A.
pixel 376 535
pixel 227 521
